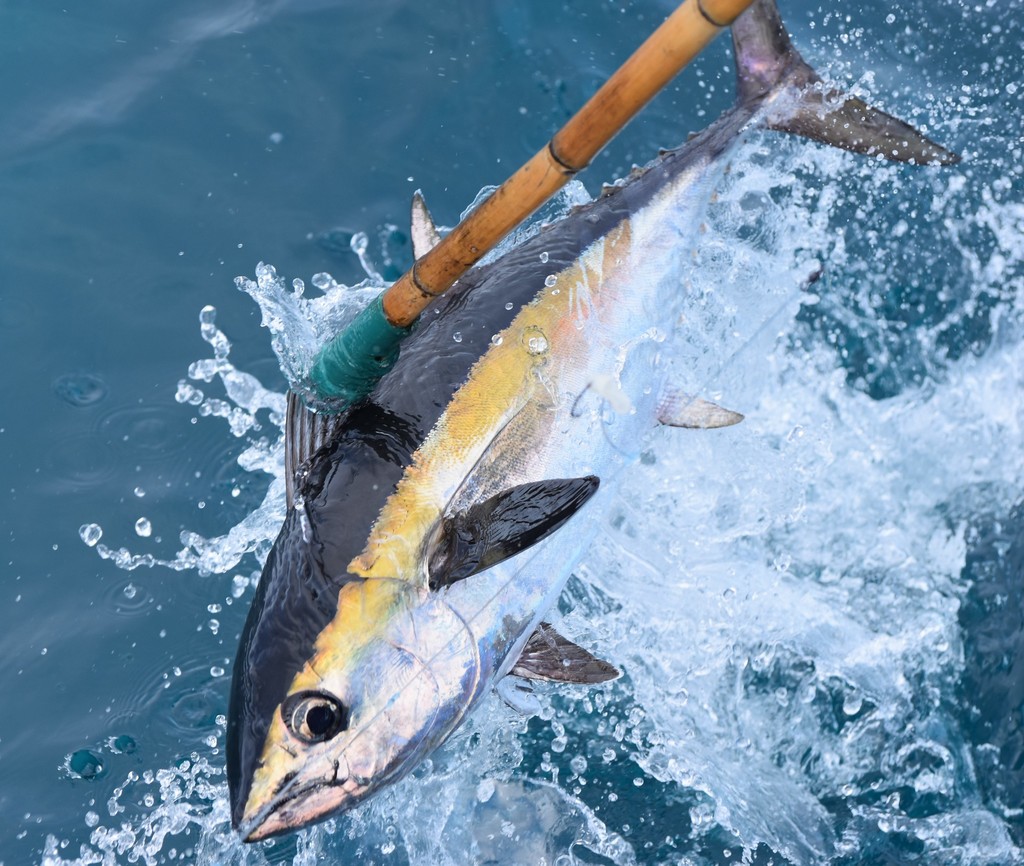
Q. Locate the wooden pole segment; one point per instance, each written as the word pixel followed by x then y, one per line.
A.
pixel 348 367
pixel 682 36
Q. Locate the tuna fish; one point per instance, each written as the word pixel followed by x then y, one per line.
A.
pixel 425 538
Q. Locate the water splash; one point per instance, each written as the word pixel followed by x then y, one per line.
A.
pixel 782 597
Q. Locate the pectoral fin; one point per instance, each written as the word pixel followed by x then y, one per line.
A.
pixel 305 433
pixel 685 410
pixel 549 656
pixel 503 525
pixel 425 235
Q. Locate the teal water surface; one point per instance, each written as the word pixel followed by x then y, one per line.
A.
pixel 153 152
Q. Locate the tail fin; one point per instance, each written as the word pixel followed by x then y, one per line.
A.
pixel 767 64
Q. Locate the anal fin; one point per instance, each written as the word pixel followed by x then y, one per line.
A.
pixel 549 656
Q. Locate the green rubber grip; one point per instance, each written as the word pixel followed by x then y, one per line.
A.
pixel 348 367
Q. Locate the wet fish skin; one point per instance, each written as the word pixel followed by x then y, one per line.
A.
pixel 356 660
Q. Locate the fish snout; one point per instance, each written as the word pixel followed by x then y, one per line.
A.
pixel 299 799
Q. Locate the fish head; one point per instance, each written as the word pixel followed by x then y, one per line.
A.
pixel 388 680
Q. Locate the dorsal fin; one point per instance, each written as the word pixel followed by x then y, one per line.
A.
pixel 425 235
pixel 767 62
pixel 305 433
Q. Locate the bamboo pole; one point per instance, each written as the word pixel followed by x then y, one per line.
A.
pixel 373 345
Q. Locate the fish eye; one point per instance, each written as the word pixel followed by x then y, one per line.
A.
pixel 314 717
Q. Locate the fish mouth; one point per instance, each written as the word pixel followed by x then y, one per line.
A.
pixel 297 806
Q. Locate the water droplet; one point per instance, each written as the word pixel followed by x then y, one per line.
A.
pixel 550 280
pixel 496 340
pixel 457 336
pixel 130 590
pixel 90 533
pixel 544 256
pixel 485 790
pixel 80 389
pixel 143 527
pixel 123 744
pixel 276 138
pixel 91 819
pixel 322 281
pixel 85 764
pixel 298 287
pixel 535 341
pixel 139 492
pixel 509 305
pixel 216 671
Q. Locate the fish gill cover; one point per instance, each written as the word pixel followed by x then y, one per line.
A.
pixel 790 604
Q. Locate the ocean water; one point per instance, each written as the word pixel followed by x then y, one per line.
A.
pixel 819 613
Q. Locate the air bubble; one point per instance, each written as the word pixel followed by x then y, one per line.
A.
pixel 143 528
pixel 550 280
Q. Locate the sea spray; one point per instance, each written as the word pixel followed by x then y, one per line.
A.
pixel 782 601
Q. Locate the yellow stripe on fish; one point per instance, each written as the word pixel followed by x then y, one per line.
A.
pixel 503 383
